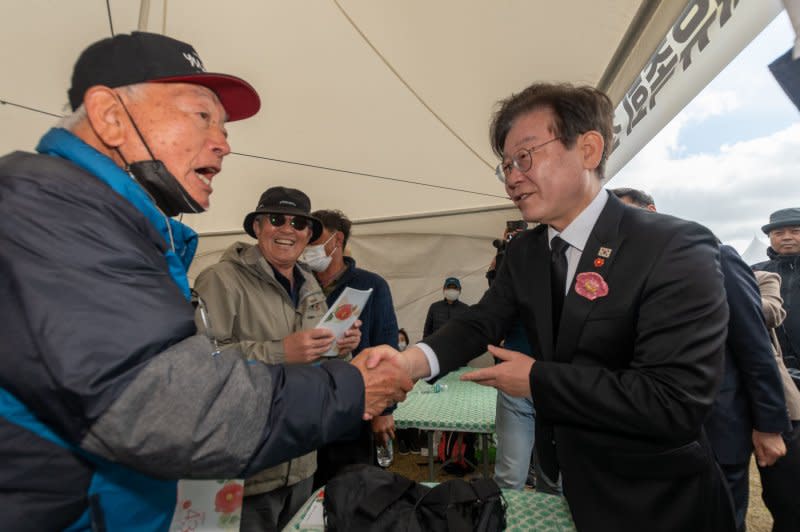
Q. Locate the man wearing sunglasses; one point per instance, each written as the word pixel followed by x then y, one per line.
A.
pixel 626 313
pixel 260 300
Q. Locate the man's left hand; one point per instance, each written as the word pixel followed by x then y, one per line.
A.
pixel 512 375
pixel 350 340
pixel 768 447
pixel 383 428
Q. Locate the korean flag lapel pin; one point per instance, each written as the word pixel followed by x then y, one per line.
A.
pixel 602 254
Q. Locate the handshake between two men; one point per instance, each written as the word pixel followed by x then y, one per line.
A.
pixel 389 374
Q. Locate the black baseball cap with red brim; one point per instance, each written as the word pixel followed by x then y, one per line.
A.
pixel 149 57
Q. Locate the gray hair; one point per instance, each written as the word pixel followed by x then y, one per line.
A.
pixel 76 117
pixel 71 121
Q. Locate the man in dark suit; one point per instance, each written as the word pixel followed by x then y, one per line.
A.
pixel 749 413
pixel 627 372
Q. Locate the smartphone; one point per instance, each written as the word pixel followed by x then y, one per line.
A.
pixel 516 225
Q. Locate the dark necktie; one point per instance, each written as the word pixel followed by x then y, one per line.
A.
pixel 558 280
pixel 545 438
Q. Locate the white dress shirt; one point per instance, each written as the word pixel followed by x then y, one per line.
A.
pixel 575 234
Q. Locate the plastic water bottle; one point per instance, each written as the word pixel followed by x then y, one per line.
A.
pixel 384 453
pixel 436 388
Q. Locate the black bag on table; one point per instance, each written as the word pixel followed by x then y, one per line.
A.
pixel 369 498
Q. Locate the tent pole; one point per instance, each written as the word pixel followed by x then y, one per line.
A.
pixel 399 218
pixel 439 214
pixel 144 14
pixel 639 23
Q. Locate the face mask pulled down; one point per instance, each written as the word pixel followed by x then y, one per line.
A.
pixel 165 189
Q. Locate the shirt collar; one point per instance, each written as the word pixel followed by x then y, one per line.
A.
pixel 577 232
pixel 292 290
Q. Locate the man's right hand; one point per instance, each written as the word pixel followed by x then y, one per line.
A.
pixel 384 385
pixel 307 346
pixel 413 360
pixel 768 447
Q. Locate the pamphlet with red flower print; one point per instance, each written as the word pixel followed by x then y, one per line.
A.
pixel 343 314
pixel 208 505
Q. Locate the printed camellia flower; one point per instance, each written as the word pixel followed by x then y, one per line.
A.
pixel 229 498
pixel 591 285
pixel 345 311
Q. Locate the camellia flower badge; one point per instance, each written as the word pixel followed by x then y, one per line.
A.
pixel 591 285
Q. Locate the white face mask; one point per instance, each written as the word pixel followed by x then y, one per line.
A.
pixel 451 294
pixel 401 346
pixel 315 256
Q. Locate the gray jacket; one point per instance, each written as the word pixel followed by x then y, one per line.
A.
pixel 99 344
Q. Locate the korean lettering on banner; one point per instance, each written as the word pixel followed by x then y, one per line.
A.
pixel 689 32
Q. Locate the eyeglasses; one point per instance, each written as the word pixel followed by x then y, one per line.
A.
pixel 522 161
pixel 297 222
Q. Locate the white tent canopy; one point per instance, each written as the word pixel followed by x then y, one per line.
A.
pixel 378 108
pixel 756 251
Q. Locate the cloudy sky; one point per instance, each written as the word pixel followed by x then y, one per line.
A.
pixel 732 156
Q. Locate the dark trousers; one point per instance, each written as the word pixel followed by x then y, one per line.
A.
pixel 737 476
pixel 781 485
pixel 273 510
pixel 332 458
pixel 544 484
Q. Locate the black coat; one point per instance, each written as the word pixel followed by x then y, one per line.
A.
pixel 751 396
pixel 440 313
pixel 788 267
pixel 626 388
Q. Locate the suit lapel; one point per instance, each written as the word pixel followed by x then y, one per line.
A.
pixel 540 294
pixel 603 240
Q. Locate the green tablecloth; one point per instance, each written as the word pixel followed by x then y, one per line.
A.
pixel 526 511
pixel 530 510
pixel 463 406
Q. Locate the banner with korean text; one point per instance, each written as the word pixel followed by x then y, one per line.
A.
pixel 706 37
